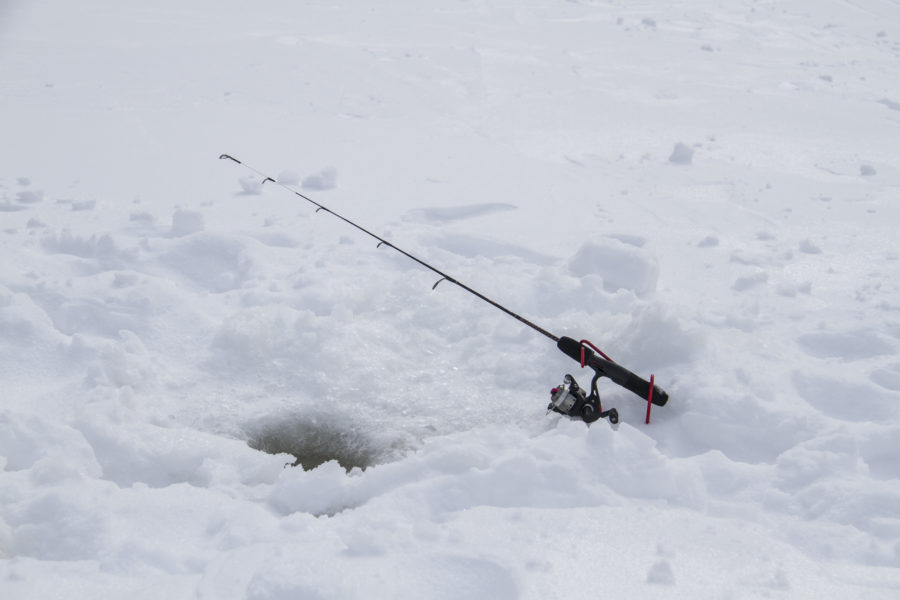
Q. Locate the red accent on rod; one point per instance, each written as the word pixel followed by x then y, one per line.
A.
pixel 596 349
pixel 649 401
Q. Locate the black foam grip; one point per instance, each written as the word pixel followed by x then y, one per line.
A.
pixel 616 373
pixel 571 348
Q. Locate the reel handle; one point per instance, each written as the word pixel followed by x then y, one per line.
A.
pixel 618 374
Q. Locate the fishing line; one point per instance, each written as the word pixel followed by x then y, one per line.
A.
pixel 568 398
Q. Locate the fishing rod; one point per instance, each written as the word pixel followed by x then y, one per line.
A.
pixel 568 399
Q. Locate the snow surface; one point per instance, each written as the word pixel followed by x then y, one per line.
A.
pixel 709 191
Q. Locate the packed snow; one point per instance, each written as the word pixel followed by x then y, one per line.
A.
pixel 210 390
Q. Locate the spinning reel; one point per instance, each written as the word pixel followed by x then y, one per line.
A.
pixel 570 400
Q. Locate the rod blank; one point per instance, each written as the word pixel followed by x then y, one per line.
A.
pixel 382 241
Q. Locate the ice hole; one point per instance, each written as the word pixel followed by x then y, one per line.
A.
pixel 314 440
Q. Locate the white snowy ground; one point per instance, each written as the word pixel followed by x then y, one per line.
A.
pixel 710 191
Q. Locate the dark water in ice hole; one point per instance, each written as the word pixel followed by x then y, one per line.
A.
pixel 315 440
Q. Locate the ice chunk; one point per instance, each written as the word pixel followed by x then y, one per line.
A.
pixel 682 154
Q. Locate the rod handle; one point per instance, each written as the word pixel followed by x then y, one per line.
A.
pixel 618 374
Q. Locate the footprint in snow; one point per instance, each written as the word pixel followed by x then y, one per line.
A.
pixel 845 399
pixel 661 573
pixel 30 196
pixel 846 345
pixel 445 214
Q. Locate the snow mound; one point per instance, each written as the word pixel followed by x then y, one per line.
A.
pixel 324 180
pixel 211 261
pixel 619 265
pixel 186 222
